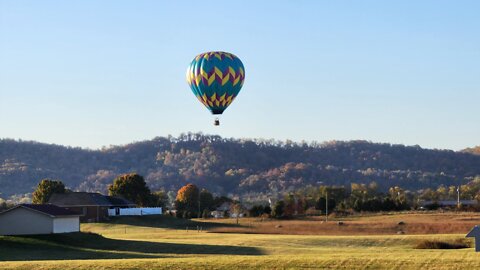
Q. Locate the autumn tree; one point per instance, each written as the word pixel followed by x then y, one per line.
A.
pixel 45 189
pixel 187 200
pixel 132 187
pixel 236 210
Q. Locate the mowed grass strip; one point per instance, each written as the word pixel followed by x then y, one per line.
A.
pixel 337 260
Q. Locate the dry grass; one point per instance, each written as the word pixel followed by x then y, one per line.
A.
pixel 402 223
pixel 150 245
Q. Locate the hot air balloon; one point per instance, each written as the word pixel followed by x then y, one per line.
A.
pixel 216 79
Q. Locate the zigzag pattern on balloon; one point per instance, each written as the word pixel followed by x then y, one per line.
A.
pixel 215 100
pixel 219 55
pixel 216 75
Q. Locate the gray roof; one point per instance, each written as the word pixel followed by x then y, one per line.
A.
pixel 47 209
pixel 87 199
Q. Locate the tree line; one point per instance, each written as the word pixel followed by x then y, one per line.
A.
pixel 191 202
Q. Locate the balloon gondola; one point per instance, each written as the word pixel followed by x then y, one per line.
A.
pixel 216 79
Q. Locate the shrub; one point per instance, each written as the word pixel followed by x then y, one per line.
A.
pixel 256 211
pixel 435 244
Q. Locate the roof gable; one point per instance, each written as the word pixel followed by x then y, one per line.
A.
pixel 46 209
pixel 474 232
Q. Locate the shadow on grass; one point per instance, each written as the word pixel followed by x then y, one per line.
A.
pixel 168 222
pixel 94 246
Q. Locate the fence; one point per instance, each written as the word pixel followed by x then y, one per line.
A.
pixel 144 211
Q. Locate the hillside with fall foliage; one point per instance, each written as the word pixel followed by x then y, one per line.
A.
pixel 472 150
pixel 233 166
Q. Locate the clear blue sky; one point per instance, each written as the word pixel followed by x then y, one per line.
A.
pixel 94 73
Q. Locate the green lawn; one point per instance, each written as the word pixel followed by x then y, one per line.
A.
pixel 165 244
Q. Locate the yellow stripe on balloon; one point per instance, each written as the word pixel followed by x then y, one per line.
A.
pixel 236 81
pixel 211 79
pixel 225 79
pixel 222 98
pixel 232 71
pixel 219 73
pixel 213 97
pixel 204 74
pixel 242 72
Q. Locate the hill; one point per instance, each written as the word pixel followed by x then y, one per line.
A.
pixel 473 150
pixel 232 165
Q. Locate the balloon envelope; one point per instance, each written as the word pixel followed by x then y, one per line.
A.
pixel 216 79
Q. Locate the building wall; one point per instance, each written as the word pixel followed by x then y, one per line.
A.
pixel 89 213
pixel 22 221
pixel 66 224
pixel 140 211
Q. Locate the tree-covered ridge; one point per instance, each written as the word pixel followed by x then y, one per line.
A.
pixel 472 150
pixel 238 166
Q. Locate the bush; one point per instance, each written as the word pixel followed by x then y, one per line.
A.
pixel 433 206
pixel 256 211
pixel 428 244
pixel 267 210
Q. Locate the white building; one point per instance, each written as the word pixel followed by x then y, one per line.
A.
pixel 27 219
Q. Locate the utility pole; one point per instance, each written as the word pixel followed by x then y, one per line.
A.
pixel 458 196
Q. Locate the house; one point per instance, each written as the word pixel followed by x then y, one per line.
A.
pixel 25 219
pixel 92 207
pixel 221 211
pixel 224 210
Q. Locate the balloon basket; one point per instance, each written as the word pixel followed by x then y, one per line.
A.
pixel 216 122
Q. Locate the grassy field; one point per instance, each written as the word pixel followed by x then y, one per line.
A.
pixel 164 243
pixel 372 224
